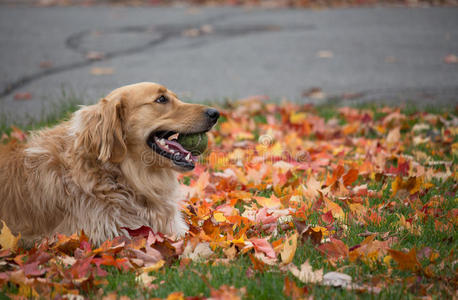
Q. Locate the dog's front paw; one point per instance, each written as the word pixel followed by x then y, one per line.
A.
pixel 179 228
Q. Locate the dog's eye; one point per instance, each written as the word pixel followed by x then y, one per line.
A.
pixel 162 100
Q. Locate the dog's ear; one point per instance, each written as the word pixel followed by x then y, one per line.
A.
pixel 99 129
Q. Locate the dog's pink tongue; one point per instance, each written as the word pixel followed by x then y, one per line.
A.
pixel 176 146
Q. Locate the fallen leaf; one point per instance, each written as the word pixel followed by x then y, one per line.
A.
pixel 290 289
pixel 406 261
pixel 306 273
pixel 289 249
pixel 101 71
pixel 95 55
pixel 45 64
pixel 325 54
pixel 23 96
pixel 262 245
pixel 334 249
pixel 201 252
pixel 451 59
pixel 7 240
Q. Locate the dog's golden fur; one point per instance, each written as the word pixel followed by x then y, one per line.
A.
pixel 95 171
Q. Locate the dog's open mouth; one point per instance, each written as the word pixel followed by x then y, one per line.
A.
pixel 166 144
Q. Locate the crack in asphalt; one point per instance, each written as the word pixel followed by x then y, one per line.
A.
pixel 166 32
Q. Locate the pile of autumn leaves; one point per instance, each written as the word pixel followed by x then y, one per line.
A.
pixel 271 168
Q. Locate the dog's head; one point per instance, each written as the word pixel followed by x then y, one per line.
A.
pixel 141 121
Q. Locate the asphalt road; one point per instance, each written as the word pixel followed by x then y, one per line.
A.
pixel 372 54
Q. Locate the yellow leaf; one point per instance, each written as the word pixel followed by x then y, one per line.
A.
pixel 219 217
pixel 387 260
pixel 336 210
pixel 176 296
pixel 289 249
pixel 27 291
pixel 154 267
pixel 7 240
pixel 297 118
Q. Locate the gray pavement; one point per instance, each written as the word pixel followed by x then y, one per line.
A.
pixel 390 54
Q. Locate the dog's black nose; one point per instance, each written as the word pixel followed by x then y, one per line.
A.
pixel 212 114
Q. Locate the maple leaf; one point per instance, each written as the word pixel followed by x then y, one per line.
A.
pixel 262 245
pixel 176 296
pixel 406 261
pixel 306 273
pixel 7 240
pixel 315 234
pixel 350 177
pixel 226 292
pixel 200 252
pixel 290 289
pixel 289 249
pixel 258 264
pixel 335 249
pixel 335 209
pixel 142 231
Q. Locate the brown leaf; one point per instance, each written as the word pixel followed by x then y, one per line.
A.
pixel 258 265
pixel 290 289
pixel 406 261
pixel 226 292
pixel 335 249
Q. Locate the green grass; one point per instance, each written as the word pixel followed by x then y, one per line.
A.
pixel 196 278
pixel 57 111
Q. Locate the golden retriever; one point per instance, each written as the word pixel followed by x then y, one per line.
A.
pixel 103 169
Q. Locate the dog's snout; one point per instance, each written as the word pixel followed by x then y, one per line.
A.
pixel 212 114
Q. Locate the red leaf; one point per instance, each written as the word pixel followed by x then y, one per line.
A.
pixel 262 245
pixel 327 217
pixel 335 249
pixel 32 269
pixel 22 96
pixel 141 231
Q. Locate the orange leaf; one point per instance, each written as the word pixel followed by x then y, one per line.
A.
pixel 406 261
pixel 258 265
pixel 290 289
pixel 350 177
pixel 338 172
